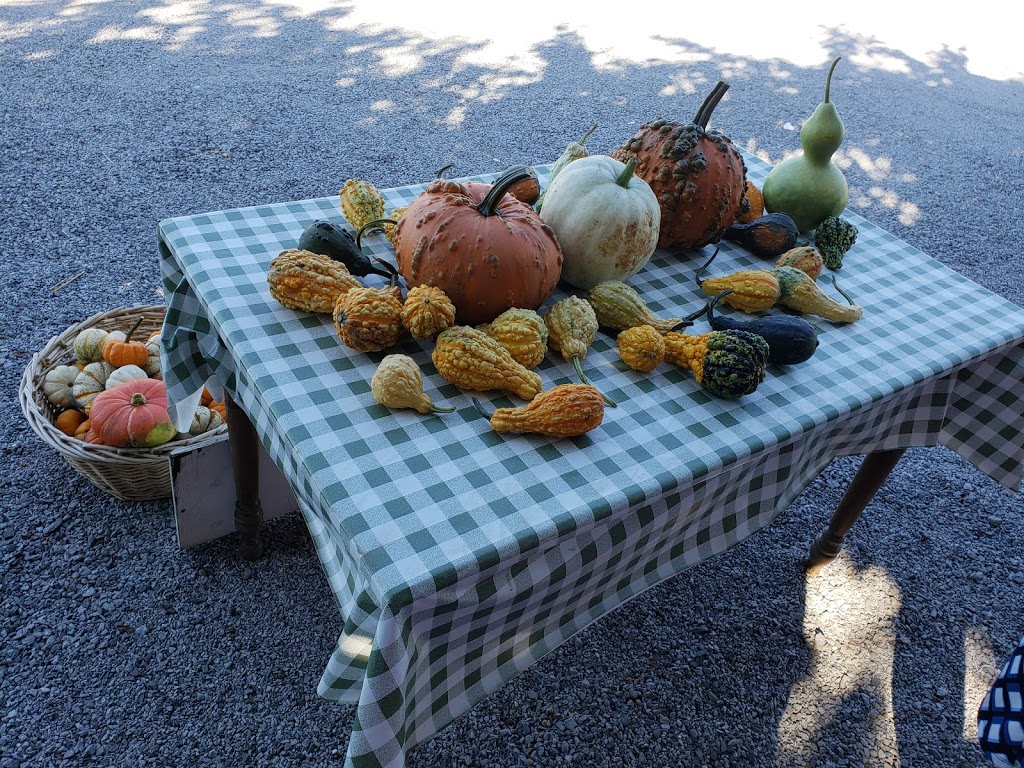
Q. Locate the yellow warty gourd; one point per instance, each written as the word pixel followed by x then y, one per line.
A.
pixel 398 383
pixel 470 359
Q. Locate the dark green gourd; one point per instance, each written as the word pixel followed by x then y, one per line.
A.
pixel 734 363
pixel 769 236
pixel 790 339
pixel 337 243
pixel 809 186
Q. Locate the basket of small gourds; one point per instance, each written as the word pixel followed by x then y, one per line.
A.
pixel 95 394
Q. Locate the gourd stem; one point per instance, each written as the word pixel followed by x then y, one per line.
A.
pixel 439 409
pixel 627 173
pixel 375 224
pixel 128 336
pixel 441 171
pixel 704 113
pixel 828 80
pixel 843 293
pixel 583 139
pixel 489 205
pixel 705 266
pixel 707 309
pixel 480 408
pixel 583 377
pixel 138 399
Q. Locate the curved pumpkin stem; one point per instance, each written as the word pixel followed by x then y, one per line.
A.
pixel 627 173
pixel 128 336
pixel 704 113
pixel 517 173
pixel 440 172
pixel 585 380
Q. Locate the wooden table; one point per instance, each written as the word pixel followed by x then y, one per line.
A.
pixel 459 556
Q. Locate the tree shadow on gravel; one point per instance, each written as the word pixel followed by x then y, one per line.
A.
pixel 119 643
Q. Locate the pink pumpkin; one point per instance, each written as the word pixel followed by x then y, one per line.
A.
pixel 133 414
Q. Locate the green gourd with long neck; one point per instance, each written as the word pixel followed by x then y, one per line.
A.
pixel 809 186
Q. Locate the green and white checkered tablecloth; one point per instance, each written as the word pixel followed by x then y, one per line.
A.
pixel 460 556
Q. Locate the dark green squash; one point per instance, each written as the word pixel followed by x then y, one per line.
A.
pixel 337 243
pixel 790 339
pixel 769 236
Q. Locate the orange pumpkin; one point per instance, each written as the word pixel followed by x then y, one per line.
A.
pixel 133 414
pixel 83 429
pixel 119 352
pixel 221 407
pixel 484 248
pixel 698 176
pixel 69 421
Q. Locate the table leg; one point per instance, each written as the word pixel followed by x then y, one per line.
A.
pixel 245 466
pixel 869 478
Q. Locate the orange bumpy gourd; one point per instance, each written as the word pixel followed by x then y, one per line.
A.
pixel 565 410
pixel 369 319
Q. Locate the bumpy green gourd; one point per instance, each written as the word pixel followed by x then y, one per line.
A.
pixel 727 364
pixel 809 186
pixel 834 237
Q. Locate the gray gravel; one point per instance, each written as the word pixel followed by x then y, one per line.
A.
pixel 116 648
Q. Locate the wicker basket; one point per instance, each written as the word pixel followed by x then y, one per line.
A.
pixel 132 474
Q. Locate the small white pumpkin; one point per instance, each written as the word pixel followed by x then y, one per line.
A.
pixel 124 374
pixel 205 420
pixel 58 385
pixel 90 382
pixel 607 220
pixel 88 345
pixel 152 366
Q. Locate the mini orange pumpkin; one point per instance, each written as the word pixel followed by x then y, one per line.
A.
pixel 120 352
pixel 69 421
pixel 484 248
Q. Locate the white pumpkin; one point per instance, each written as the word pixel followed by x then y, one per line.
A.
pixel 153 367
pixel 58 385
pixel 606 219
pixel 205 420
pixel 90 382
pixel 124 374
pixel 88 345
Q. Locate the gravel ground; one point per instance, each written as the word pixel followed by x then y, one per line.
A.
pixel 117 648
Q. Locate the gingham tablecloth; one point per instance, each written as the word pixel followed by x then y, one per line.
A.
pixel 460 556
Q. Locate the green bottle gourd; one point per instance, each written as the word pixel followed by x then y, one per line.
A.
pixel 809 186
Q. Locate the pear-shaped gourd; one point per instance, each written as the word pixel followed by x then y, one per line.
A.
pixel 809 186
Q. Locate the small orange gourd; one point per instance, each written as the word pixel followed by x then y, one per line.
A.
pixel 369 319
pixel 806 258
pixel 565 410
pixel 427 311
pixel 308 281
pixel 641 347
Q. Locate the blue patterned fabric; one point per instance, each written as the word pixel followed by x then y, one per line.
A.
pixel 1001 715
